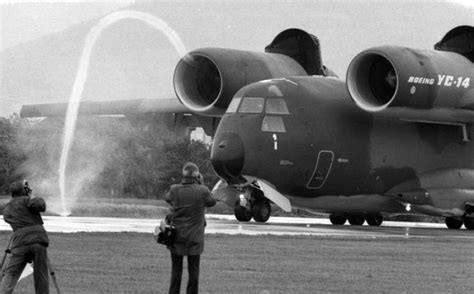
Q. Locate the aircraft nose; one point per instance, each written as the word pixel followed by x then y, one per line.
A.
pixel 227 155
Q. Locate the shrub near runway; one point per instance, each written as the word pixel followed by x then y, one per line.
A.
pixel 118 207
pixel 133 263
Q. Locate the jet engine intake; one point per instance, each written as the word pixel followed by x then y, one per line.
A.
pixel 390 76
pixel 205 80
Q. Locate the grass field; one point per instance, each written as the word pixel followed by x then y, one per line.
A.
pixel 134 263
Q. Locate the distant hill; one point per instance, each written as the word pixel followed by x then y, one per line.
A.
pixel 130 61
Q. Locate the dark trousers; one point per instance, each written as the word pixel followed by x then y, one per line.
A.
pixel 177 272
pixel 35 253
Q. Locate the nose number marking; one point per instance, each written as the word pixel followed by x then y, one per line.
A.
pixel 275 142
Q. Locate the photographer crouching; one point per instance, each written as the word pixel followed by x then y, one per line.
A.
pixel 29 240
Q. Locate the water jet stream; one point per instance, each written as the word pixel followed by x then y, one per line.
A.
pixel 81 75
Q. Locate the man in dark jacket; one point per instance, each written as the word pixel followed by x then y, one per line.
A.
pixel 188 201
pixel 29 240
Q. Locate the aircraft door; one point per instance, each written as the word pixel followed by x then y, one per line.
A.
pixel 321 170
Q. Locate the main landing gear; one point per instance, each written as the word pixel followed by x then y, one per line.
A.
pixel 467 219
pixel 377 219
pixel 468 222
pixel 453 223
pixel 356 219
pixel 456 223
pixel 252 204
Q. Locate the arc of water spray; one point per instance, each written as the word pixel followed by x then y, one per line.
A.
pixel 81 75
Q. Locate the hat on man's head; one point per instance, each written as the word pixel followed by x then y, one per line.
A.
pixel 17 189
pixel 190 170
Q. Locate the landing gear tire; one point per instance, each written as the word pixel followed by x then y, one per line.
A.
pixel 374 220
pixel 453 223
pixel 337 219
pixel 469 222
pixel 356 220
pixel 242 214
pixel 261 210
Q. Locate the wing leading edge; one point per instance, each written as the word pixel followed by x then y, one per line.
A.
pixel 116 107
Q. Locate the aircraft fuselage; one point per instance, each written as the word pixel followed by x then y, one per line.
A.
pixel 325 145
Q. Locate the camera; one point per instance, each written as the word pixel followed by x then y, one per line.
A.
pixel 27 188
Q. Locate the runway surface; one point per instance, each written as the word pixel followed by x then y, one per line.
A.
pixel 226 224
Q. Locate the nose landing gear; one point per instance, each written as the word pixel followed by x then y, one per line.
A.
pixel 242 214
pixel 261 210
pixel 252 203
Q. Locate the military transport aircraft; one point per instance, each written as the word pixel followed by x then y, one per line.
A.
pixel 396 137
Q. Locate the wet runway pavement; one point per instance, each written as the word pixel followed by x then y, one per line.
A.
pixel 226 224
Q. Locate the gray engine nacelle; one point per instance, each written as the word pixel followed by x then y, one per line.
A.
pixel 391 76
pixel 206 79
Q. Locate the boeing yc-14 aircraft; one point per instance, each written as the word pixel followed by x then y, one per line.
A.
pixel 395 137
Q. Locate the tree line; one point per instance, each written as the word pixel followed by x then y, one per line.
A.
pixel 110 156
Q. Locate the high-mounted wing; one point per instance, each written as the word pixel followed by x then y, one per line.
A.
pixel 205 81
pixel 139 106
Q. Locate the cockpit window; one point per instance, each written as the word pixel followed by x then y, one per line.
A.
pixel 252 105
pixel 273 124
pixel 276 106
pixel 232 108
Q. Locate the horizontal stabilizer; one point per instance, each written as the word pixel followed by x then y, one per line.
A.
pixel 117 107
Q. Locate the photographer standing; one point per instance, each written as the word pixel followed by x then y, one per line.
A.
pixel 188 201
pixel 29 239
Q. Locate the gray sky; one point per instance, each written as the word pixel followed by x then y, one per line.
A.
pixel 343 27
pixel 23 21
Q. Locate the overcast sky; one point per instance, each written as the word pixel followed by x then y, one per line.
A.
pixel 23 21
pixel 344 27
